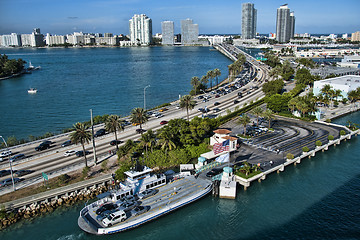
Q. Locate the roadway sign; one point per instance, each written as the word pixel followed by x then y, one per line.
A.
pixel 45 176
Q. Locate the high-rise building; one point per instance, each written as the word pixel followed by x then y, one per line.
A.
pixel 189 32
pixel 292 25
pixel 248 23
pixel 284 24
pixel 355 36
pixel 140 30
pixel 167 28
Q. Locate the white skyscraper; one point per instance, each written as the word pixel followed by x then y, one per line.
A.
pixel 248 23
pixel 140 30
pixel 189 32
pixel 292 25
pixel 167 28
pixel 284 24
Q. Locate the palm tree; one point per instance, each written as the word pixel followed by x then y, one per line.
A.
pixel 217 74
pixel 210 75
pixel 246 168
pixel 187 103
pixel 138 116
pixel 148 140
pixel 166 140
pixel 195 82
pixel 244 120
pixel 204 80
pixel 292 104
pixel 81 135
pixel 268 114
pixel 258 111
pixel 113 124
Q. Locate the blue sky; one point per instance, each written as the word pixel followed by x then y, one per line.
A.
pixel 213 16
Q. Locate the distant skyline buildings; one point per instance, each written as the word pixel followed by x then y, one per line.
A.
pixel 140 27
pixel 189 32
pixel 285 25
pixel 167 30
pixel 248 21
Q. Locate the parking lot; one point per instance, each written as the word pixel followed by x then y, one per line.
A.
pixel 269 148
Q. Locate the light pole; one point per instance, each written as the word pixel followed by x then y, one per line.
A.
pixel 93 138
pixel 11 171
pixel 145 96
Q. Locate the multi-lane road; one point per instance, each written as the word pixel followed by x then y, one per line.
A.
pixel 52 160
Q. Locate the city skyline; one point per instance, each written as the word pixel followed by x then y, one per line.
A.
pixel 112 16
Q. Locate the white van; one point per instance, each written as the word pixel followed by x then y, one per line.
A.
pixel 114 218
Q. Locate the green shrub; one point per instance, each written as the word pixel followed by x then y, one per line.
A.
pixel 318 143
pixel 342 132
pixel 330 137
pixel 85 172
pixel 64 178
pixel 328 120
pixel 305 149
pixel 290 156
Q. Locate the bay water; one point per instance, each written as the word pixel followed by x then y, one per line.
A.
pixel 108 80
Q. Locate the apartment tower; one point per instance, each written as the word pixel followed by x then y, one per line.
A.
pixel 248 21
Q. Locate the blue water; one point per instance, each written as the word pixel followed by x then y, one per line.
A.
pixel 108 80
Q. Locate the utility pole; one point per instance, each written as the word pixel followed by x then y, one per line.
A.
pixel 145 97
pixel 93 138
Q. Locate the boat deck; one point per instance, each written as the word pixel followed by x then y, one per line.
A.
pixel 170 197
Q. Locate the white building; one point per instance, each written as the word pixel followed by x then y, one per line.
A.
pixel 220 136
pixel 11 40
pixel 352 61
pixel 248 21
pixel 140 30
pixel 167 29
pixel 189 32
pixel 344 83
pixel 55 40
pixel 284 24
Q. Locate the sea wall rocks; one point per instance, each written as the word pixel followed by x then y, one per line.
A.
pixel 49 205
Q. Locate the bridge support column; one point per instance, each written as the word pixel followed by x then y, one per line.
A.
pixel 281 169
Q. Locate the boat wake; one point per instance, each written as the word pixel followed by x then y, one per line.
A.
pixel 73 236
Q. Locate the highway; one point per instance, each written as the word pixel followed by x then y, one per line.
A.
pixel 52 160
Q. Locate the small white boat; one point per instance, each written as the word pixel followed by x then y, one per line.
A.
pixel 32 90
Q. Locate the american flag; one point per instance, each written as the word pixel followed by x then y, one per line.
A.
pixel 221 147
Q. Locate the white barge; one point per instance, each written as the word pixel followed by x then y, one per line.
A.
pixel 170 196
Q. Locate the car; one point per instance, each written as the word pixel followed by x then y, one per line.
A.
pixel 107 206
pixel 100 132
pixel 127 206
pixel 177 107
pixel 158 115
pixel 113 218
pixel 113 142
pixel 147 193
pixel 17 157
pixel 200 97
pixel 6 153
pixel 81 153
pixel 216 103
pixel 139 210
pixel 217 96
pixel 236 101
pixel 214 172
pixel 8 181
pixel 69 153
pixel 66 143
pixel 43 146
pixel 128 198
pixel 201 110
pixel 4 173
pixel 216 110
pixel 22 172
pixel 125 123
pixel 140 130
pixel 135 124
pixel 149 113
pixel 163 122
pixel 163 110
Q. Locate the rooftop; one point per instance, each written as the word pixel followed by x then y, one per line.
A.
pixel 342 80
pixel 222 131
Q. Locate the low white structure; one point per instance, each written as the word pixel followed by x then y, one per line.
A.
pixel 344 83
pixel 185 169
pixel 227 187
pixel 350 61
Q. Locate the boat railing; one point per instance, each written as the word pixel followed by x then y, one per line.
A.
pixel 84 211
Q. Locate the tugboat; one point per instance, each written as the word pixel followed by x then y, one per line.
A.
pixel 143 197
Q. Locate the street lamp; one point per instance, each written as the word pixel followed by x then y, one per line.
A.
pixel 11 171
pixel 93 138
pixel 145 97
